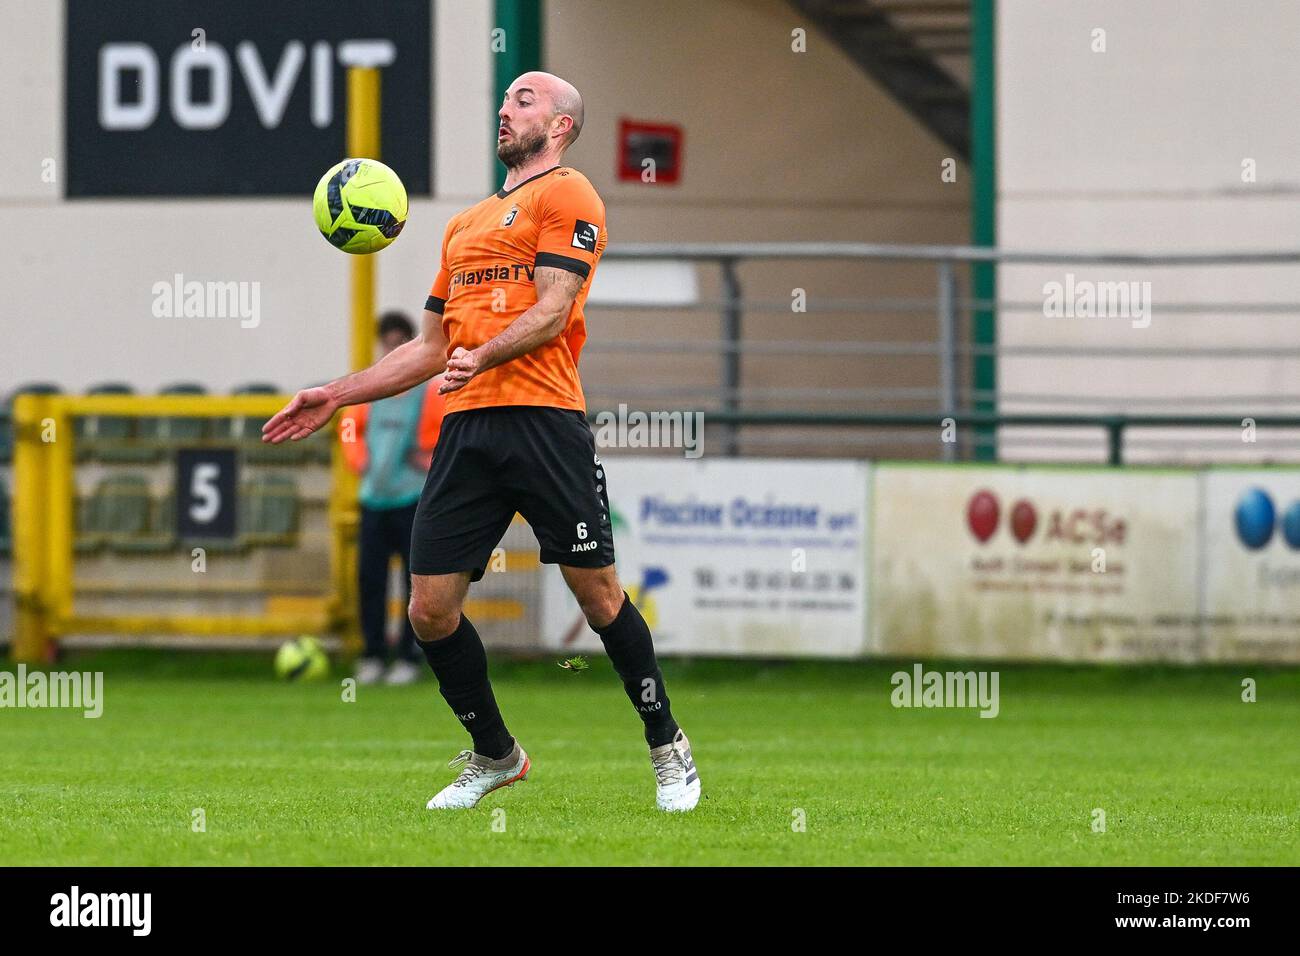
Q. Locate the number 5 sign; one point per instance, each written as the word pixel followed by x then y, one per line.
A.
pixel 206 479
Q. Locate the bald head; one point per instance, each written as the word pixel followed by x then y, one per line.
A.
pixel 563 97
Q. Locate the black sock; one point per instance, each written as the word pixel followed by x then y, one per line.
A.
pixel 460 664
pixel 632 652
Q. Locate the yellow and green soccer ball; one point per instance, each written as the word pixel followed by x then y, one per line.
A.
pixel 360 206
pixel 301 659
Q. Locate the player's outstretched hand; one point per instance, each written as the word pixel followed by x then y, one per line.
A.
pixel 461 367
pixel 307 411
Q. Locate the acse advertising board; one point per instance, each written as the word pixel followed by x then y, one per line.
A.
pixel 1063 563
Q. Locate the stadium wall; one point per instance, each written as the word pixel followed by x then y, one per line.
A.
pixel 1149 126
pixel 754 112
pixel 779 146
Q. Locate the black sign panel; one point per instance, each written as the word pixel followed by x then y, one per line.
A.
pixel 242 97
pixel 206 502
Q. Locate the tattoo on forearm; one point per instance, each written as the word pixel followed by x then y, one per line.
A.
pixel 549 280
pixel 556 291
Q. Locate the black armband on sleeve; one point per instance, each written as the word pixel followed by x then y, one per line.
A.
pixel 553 261
pixel 435 304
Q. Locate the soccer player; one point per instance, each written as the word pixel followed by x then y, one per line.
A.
pixel 504 320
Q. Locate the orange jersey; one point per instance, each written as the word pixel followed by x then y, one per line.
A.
pixel 489 254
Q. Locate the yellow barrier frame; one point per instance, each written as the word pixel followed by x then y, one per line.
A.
pixel 44 527
pixel 43 532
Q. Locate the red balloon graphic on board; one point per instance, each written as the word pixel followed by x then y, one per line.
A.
pixel 982 515
pixel 1023 520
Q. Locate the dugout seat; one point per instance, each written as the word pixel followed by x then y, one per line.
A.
pixel 35 388
pixel 121 507
pixel 120 515
pixel 173 431
pixel 6 530
pixel 110 438
pixel 232 429
pixel 247 431
pixel 159 533
pixel 268 514
pixel 87 536
pixel 320 446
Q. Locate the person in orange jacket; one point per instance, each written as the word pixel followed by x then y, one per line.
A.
pixel 389 444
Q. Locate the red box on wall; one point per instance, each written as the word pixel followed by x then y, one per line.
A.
pixel 661 142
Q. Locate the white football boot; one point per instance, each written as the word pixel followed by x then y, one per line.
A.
pixel 479 777
pixel 370 670
pixel 677 782
pixel 401 673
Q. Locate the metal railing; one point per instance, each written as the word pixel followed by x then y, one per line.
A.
pixel 914 410
pixel 952 394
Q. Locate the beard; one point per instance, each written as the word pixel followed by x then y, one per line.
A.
pixel 522 148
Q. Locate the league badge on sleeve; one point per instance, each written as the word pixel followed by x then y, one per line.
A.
pixel 585 235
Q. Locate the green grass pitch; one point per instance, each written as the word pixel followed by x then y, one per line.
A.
pixel 1186 772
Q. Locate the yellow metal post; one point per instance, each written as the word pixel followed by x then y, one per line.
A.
pixel 362 142
pixel 60 496
pixel 32 625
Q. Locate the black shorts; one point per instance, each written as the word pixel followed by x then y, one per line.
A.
pixel 492 462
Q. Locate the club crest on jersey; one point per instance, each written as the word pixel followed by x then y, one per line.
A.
pixel 510 216
pixel 585 235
